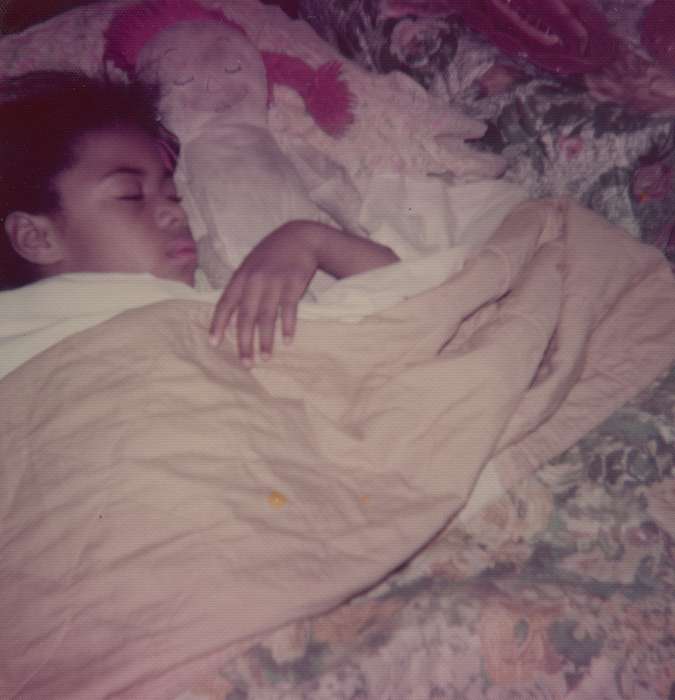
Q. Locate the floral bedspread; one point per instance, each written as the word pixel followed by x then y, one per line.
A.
pixel 565 587
pixel 556 136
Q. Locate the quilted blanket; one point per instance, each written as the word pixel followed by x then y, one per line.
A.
pixel 159 504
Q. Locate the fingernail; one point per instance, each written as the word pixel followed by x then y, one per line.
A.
pixel 265 356
pixel 213 340
pixel 288 339
pixel 247 362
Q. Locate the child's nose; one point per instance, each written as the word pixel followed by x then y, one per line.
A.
pixel 170 214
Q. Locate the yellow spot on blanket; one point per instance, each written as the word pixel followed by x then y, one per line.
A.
pixel 277 499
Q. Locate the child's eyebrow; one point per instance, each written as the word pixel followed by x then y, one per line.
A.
pixel 131 170
pixel 123 170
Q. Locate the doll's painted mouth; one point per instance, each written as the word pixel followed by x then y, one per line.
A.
pixel 184 81
pixel 219 85
pixel 220 101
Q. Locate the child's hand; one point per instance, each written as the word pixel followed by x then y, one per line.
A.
pixel 269 283
pixel 275 274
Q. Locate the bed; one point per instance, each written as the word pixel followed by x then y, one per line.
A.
pixel 560 585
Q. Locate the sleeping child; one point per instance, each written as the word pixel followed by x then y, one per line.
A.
pixel 94 193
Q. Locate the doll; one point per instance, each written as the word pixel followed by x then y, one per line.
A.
pixel 237 183
pixel 244 170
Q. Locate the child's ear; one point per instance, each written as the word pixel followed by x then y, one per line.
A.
pixel 34 238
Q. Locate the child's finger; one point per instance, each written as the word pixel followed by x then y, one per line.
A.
pixel 219 322
pixel 224 309
pixel 289 307
pixel 288 319
pixel 247 317
pixel 267 318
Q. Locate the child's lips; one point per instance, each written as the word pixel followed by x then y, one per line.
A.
pixel 183 249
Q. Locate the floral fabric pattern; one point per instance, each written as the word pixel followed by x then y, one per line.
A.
pixel 558 140
pixel 362 30
pixel 556 136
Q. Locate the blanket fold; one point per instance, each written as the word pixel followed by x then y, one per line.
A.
pixel 159 503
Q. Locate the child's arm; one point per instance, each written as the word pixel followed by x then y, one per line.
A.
pixel 275 275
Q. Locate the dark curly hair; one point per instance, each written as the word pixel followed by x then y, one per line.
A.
pixel 43 116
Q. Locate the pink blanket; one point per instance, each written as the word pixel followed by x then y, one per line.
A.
pixel 159 504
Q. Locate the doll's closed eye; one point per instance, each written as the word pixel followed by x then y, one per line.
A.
pixel 237 68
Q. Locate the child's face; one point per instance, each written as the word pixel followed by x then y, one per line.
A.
pixel 119 209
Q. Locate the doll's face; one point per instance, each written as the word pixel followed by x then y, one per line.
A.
pixel 209 67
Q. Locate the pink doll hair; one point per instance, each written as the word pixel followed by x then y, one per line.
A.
pixel 327 98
